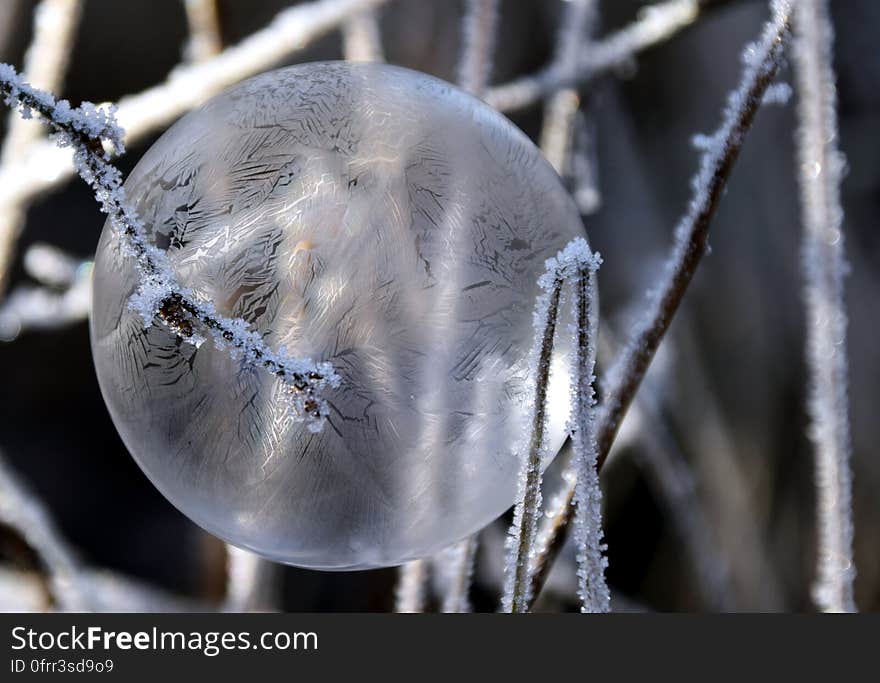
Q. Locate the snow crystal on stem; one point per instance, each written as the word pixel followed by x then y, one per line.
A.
pixel 591 561
pixel 571 263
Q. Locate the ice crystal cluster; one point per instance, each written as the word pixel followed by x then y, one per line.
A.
pixel 375 220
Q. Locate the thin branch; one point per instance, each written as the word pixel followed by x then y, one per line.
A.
pixel 820 168
pixel 564 123
pixel 46 308
pixel 203 22
pixel 455 567
pixel 761 64
pixel 21 511
pixel 590 548
pixel 412 581
pixel 362 37
pixel 159 295
pixel 574 29
pixel 656 24
pixel 521 539
pixel 478 45
pixel 45 63
pixel 249 581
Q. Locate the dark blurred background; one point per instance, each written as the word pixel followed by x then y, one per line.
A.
pixel 726 395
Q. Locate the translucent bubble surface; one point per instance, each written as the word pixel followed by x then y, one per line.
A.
pixel 365 215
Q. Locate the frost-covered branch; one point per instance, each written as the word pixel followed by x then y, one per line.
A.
pixel 203 22
pixel 588 496
pixel 362 37
pixel 45 63
pixel 521 538
pixel 574 29
pixel 655 24
pixel 564 133
pixel 159 295
pixel 569 264
pixel 761 62
pixel 820 167
pixel 479 30
pixel 44 166
pixel 412 581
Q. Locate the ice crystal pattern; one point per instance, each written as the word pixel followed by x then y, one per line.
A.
pixel 368 217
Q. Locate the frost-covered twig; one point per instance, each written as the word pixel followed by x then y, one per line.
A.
pixel 567 265
pixel 762 61
pixel 820 167
pixel 478 45
pixel 203 22
pixel 574 29
pixel 588 496
pixel 45 63
pixel 521 538
pixel 564 123
pixel 655 24
pixel 44 166
pixel 412 582
pixel 159 295
pixel 21 511
pixel 362 37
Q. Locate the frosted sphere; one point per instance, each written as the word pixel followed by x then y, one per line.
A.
pixel 365 215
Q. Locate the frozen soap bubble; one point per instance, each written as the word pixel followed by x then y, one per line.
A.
pixel 365 215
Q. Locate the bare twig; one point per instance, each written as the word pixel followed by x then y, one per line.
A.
pixel 21 511
pixel 45 63
pixel 362 38
pixel 820 165
pixel 46 308
pixel 478 45
pixel 692 234
pixel 455 566
pixel 412 581
pixel 249 581
pixel 574 29
pixel 203 21
pixel 655 24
